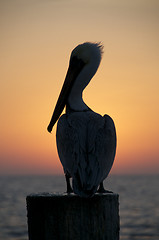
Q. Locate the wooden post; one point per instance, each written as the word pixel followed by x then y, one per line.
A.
pixel 70 217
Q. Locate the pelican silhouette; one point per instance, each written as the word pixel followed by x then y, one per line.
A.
pixel 86 141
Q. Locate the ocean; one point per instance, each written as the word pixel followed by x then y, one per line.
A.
pixel 138 196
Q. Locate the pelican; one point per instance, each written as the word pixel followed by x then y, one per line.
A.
pixel 86 141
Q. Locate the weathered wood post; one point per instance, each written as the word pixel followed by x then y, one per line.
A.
pixel 70 217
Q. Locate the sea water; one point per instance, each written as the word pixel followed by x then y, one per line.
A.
pixel 138 196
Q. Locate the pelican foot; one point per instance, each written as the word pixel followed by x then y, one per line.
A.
pixel 101 189
pixel 69 190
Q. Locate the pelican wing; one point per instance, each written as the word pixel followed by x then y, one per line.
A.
pixel 86 145
pixel 67 145
pixel 106 146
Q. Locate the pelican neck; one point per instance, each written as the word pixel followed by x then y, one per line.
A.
pixel 69 109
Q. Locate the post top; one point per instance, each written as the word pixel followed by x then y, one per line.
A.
pixel 55 195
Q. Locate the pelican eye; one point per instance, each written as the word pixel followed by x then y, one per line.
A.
pixel 76 62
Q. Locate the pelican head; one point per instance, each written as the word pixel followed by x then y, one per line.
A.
pixel 87 51
pixel 84 62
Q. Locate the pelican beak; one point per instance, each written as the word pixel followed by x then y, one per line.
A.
pixel 75 66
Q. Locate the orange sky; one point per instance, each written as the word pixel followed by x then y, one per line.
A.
pixel 37 38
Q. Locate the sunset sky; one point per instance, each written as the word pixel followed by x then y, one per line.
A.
pixel 37 37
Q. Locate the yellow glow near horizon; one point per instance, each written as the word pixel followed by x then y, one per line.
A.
pixel 36 42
